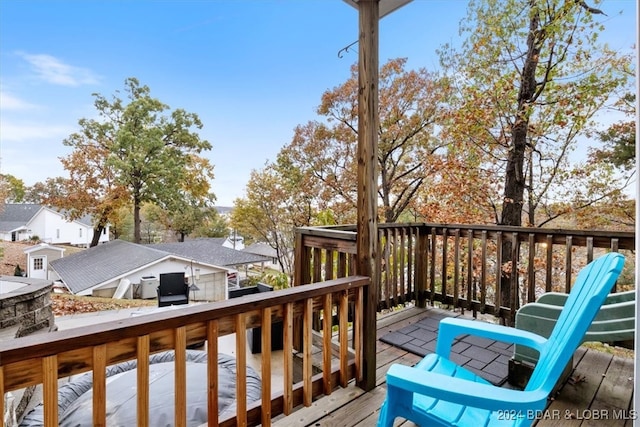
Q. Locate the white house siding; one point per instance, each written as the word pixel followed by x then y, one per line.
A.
pixel 213 279
pixel 52 227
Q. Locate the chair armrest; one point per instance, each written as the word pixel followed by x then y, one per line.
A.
pixel 480 395
pixel 451 327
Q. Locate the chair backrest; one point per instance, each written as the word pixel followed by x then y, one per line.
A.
pixel 172 284
pixel 589 292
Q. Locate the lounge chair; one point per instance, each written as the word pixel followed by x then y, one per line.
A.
pixel 438 392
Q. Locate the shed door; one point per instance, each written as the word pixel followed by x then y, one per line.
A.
pixel 38 267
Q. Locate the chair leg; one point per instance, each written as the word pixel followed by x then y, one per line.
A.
pixel 385 419
pixel 397 403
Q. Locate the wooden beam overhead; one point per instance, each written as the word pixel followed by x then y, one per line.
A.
pixel 386 6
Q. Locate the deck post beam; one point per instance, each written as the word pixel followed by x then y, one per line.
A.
pixel 367 225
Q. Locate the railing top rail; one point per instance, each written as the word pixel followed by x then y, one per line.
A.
pixel 334 230
pixel 601 238
pixel 344 232
pixel 42 345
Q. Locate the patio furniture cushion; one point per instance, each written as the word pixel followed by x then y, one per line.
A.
pixel 439 392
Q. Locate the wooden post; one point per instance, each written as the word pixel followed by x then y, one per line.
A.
pixel 367 226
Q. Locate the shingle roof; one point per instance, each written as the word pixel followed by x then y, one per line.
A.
pixel 261 248
pixel 17 215
pixel 86 269
pixel 91 267
pixel 210 251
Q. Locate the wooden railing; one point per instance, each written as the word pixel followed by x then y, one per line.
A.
pixel 44 359
pixel 458 265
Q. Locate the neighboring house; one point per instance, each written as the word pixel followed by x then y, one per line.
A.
pixel 224 211
pixel 265 250
pixel 234 241
pixel 38 259
pixel 217 252
pixel 103 269
pixel 211 251
pixel 24 221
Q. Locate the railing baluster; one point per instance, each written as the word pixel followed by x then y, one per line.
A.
pixel 401 262
pixel 342 264
pixel 549 276
pixel 432 265
pixel 358 342
pixel 390 295
pixel 327 318
pixel 343 337
pixel 317 265
pixel 411 291
pixel 589 249
pixel 614 248
pixel 483 273
pixel 99 385
pixel 531 270
pixel 456 266
pixel 50 390
pixel 142 380
pixel 212 372
pixel 287 362
pixel 241 368
pixel 498 291
pixel 180 389
pixel 328 266
pixel 307 362
pixel 567 265
pixel 470 284
pixel 397 292
pixel 443 272
pixel 266 367
pixel 422 250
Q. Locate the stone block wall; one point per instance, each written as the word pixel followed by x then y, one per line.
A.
pixel 27 307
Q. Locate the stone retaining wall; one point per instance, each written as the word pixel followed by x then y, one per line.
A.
pixel 28 307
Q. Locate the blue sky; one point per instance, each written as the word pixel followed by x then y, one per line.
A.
pixel 251 69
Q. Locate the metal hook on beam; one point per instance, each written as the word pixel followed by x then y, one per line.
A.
pixel 344 50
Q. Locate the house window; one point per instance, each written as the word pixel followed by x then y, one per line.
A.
pixel 80 232
pixel 38 264
pixel 57 233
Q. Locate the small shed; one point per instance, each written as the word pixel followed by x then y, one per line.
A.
pixel 38 258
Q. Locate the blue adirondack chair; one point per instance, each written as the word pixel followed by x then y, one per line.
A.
pixel 438 392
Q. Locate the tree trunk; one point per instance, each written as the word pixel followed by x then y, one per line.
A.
pixel 515 178
pixel 137 237
pixel 99 228
pixel 97 232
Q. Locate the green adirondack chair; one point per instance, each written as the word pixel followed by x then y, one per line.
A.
pixel 438 392
pixel 614 324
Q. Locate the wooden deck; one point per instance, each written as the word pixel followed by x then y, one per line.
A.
pixel 598 393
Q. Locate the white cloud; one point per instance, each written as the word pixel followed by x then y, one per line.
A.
pixel 53 70
pixel 29 131
pixel 13 103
